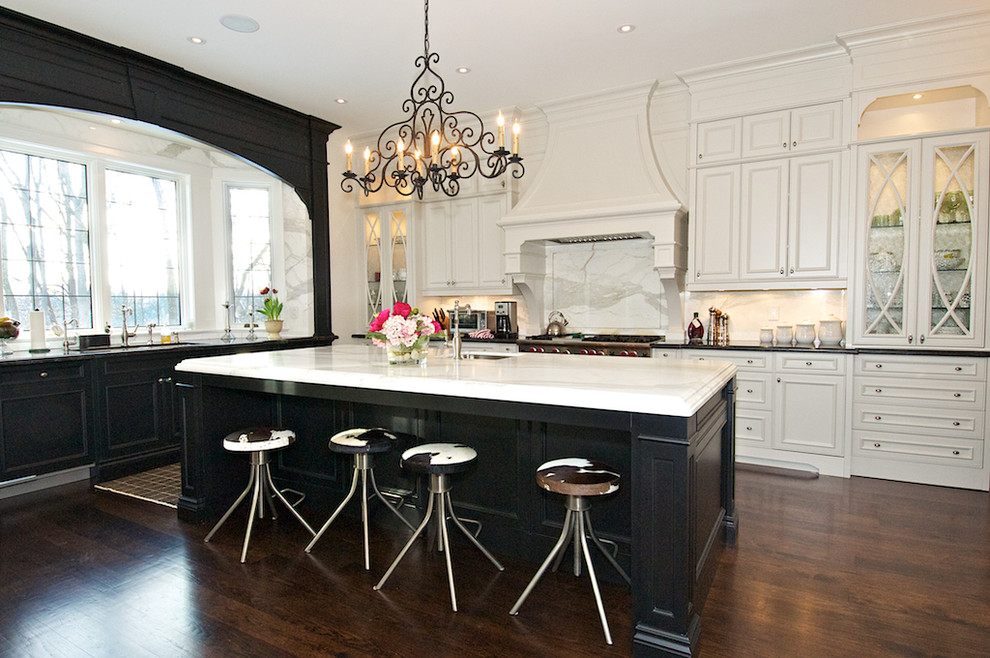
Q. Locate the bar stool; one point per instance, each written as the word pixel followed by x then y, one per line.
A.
pixel 439 460
pixel 362 443
pixel 577 479
pixel 260 442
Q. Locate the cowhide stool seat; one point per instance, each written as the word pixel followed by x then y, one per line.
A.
pixel 260 442
pixel 578 479
pixel 362 443
pixel 439 460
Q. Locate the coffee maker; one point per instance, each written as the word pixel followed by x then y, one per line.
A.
pixel 505 320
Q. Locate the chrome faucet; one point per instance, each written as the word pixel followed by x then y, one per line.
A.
pixel 151 326
pixel 456 331
pixel 125 336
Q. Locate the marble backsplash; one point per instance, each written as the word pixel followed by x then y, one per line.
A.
pixel 750 310
pixel 605 287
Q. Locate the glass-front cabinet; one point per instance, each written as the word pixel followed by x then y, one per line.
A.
pixel 922 244
pixel 386 236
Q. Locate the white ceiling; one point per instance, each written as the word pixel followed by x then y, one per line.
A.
pixel 521 52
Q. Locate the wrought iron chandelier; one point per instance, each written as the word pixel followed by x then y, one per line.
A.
pixel 434 144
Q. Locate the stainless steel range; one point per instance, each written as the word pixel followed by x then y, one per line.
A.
pixel 590 344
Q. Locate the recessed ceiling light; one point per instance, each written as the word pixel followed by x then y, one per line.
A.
pixel 917 96
pixel 341 101
pixel 237 23
pixel 463 69
pixel 199 41
pixel 626 28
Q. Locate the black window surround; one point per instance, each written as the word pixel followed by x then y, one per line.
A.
pixel 44 64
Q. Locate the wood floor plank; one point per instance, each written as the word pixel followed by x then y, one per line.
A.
pixel 829 566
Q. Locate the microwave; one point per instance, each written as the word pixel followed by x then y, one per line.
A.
pixel 473 320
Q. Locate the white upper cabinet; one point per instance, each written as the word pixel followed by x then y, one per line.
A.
pixel 463 246
pixel 719 141
pixel 715 240
pixel 773 218
pixel 800 130
pixel 922 242
pixel 792 131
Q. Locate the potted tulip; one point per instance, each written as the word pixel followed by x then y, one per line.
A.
pixel 272 310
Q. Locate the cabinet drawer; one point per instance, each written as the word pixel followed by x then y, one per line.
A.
pixel 935 393
pixel 957 452
pixel 922 366
pixel 753 426
pixel 753 390
pixel 806 362
pixel 659 353
pixel 918 420
pixel 36 374
pixel 741 360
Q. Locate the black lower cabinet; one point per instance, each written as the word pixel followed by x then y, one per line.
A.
pixel 137 415
pixel 45 412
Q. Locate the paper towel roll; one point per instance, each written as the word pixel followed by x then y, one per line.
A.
pixel 38 341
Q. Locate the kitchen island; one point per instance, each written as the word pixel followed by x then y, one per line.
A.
pixel 667 426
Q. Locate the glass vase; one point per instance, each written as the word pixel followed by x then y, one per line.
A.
pixel 400 355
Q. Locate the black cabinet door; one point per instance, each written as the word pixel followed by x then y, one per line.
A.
pixel 44 420
pixel 137 410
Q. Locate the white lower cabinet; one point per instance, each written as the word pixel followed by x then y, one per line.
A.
pixel 921 419
pixel 790 408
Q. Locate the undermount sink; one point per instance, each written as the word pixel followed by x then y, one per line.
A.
pixel 485 355
pixel 105 348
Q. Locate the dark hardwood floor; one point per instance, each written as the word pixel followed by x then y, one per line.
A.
pixel 826 567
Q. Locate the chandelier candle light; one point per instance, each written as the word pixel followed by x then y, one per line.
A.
pixel 404 333
pixel 445 145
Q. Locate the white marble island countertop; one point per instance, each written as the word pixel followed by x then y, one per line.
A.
pixel 652 386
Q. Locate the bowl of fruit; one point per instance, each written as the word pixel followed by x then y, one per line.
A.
pixel 9 330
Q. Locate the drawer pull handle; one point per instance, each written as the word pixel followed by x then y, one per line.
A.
pixel 749 361
pixel 958 368
pixel 878 418
pixel 879 390
pixel 879 365
pixel 807 363
pixel 955 423
pixel 749 429
pixel 44 374
pixel 957 395
pixel 749 390
pixel 876 445
pixel 778 380
pixel 955 452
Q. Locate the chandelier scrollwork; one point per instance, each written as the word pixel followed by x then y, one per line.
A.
pixel 433 144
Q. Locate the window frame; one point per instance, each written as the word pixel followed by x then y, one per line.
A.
pixel 225 180
pixel 96 166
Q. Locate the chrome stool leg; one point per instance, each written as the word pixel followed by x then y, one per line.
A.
pixel 557 550
pixel 412 540
pixel 576 529
pixel 261 486
pixel 469 535
pixel 362 469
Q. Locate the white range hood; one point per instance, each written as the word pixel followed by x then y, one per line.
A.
pixel 599 180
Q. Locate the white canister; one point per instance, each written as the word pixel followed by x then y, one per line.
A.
pixel 766 336
pixel 785 334
pixel 830 331
pixel 805 333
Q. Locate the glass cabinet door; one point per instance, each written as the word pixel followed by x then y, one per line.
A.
pixel 386 237
pixel 373 262
pixel 399 255
pixel 887 271
pixel 953 202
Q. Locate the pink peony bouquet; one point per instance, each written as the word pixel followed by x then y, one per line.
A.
pixel 402 327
